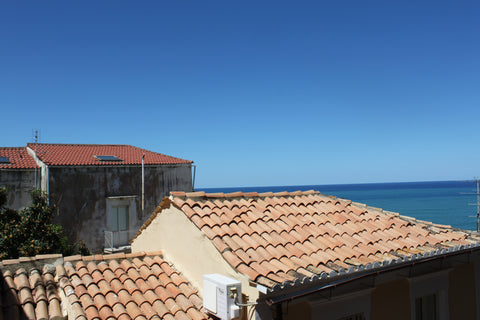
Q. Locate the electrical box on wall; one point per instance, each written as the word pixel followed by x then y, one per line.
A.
pixel 219 294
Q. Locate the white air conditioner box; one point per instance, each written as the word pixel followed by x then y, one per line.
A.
pixel 218 296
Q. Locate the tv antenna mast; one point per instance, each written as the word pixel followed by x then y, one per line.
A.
pixel 476 181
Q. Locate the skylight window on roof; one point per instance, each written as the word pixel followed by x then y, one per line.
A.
pixel 108 158
pixel 4 160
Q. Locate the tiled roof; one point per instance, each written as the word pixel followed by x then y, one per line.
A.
pixel 18 158
pixel 30 294
pixel 84 155
pixel 283 239
pixel 118 286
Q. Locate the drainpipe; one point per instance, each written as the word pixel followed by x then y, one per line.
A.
pixel 47 178
pixel 46 182
pixel 143 183
pixel 35 153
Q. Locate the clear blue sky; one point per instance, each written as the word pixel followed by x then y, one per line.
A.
pixel 256 93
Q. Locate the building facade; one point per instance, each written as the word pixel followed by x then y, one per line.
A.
pixel 19 174
pixel 101 192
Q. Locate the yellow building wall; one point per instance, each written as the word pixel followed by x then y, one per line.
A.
pixel 188 248
pixel 297 311
pixel 391 301
pixel 461 292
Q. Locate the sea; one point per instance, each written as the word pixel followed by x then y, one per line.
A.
pixel 451 203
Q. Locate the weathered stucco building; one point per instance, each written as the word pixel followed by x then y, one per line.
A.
pixel 101 192
pixel 18 173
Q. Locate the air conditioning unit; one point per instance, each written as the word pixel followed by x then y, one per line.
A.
pixel 219 294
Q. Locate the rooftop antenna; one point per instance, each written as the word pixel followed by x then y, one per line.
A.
pixel 476 181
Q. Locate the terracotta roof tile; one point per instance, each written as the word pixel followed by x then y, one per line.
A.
pixel 17 157
pixel 31 293
pixel 99 289
pixel 274 238
pixel 85 155
pixel 232 259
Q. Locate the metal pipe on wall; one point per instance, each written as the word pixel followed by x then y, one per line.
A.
pixel 143 183
pixel 194 174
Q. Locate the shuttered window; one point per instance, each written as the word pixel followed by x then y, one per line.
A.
pixel 119 218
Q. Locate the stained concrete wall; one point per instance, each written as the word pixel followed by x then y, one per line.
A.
pixel 80 194
pixel 19 183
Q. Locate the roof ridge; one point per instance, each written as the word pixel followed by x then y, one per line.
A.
pixel 80 144
pixel 240 194
pixel 166 202
pixel 49 258
pixel 409 219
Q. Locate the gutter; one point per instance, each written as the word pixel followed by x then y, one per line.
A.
pixel 122 165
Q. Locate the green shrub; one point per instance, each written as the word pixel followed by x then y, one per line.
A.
pixel 30 232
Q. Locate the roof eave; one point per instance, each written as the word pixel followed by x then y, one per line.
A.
pixel 115 165
pixel 289 290
pixel 19 169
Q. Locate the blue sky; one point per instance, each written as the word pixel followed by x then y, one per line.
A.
pixel 256 94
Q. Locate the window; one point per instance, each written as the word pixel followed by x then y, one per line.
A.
pixel 108 158
pixel 426 307
pixel 119 218
pixel 429 296
pixel 4 160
